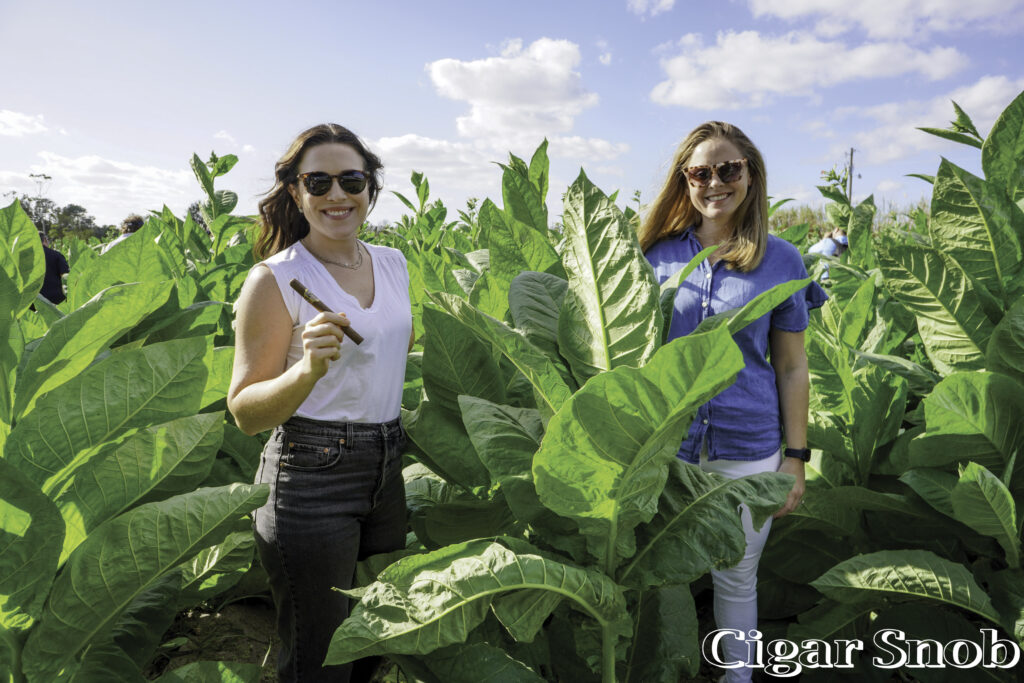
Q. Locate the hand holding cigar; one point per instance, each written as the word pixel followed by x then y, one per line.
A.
pixel 315 302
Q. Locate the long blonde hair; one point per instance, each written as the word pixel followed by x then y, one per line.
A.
pixel 672 211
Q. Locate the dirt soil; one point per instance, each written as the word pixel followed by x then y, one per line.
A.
pixel 240 632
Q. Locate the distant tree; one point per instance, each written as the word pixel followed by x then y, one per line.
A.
pixel 75 219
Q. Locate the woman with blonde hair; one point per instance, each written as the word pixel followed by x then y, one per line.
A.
pixel 333 460
pixel 716 194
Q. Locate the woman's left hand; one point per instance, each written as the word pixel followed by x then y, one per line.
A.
pixel 794 466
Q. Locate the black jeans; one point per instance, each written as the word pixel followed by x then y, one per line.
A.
pixel 336 496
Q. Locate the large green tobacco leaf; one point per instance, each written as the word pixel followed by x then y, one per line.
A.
pixel 425 602
pixel 610 316
pixel 1005 351
pixel 534 300
pixel 122 653
pixel 736 319
pixel 474 663
pixel 119 561
pixel 218 568
pixel 166 459
pixel 521 195
pixel 604 459
pixel 669 288
pixel 551 389
pixel 1007 588
pixel 31 531
pixel 12 345
pixel 21 255
pixel 830 619
pixel 72 342
pixel 665 640
pixel 139 259
pixel 128 390
pixel 697 527
pixel 443 446
pixel 456 362
pixel 879 400
pixel 982 502
pixel 973 222
pixel 1002 155
pixel 901 575
pixel 973 416
pixel 515 246
pixel 859 232
pixel 506 438
pixel 953 327
pixel 490 295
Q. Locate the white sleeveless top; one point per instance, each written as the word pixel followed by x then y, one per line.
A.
pixel 365 384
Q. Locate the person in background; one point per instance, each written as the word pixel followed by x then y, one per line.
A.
pixel 56 268
pixel 334 458
pixel 129 226
pixel 834 243
pixel 716 194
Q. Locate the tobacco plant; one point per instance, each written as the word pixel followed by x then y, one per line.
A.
pixel 119 501
pixel 560 532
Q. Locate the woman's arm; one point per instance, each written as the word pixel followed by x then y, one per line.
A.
pixel 263 394
pixel 789 360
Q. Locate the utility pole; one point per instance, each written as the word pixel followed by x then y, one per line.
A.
pixel 849 178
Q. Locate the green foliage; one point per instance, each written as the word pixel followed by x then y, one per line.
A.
pixel 554 535
pixel 111 518
pixel 912 511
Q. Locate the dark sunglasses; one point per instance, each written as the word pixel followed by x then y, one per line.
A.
pixel 727 172
pixel 319 183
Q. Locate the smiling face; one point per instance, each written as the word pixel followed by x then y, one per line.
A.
pixel 335 215
pixel 718 201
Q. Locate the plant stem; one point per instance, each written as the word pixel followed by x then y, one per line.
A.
pixel 607 654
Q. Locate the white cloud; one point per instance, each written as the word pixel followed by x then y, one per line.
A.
pixel 16 124
pixel 649 7
pixel 746 69
pixel 226 136
pixel 111 189
pixel 891 133
pixel 520 96
pixel 605 58
pixel 898 19
pixel 455 170
pixel 585 149
pixel 248 148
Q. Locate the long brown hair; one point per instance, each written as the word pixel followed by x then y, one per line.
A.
pixel 281 223
pixel 672 211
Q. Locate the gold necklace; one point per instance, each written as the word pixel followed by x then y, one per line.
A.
pixel 351 266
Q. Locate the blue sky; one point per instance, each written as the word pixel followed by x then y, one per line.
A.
pixel 112 98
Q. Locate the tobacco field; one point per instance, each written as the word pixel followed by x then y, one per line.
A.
pixel 553 535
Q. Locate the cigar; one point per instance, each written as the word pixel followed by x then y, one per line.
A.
pixel 322 307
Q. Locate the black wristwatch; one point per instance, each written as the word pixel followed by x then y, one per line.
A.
pixel 801 453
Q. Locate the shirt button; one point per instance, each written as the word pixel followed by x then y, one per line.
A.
pixel 704 304
pixel 705 420
pixel 708 276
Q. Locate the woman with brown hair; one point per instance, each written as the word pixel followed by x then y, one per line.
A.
pixel 333 460
pixel 716 194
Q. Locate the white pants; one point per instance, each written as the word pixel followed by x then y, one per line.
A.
pixel 736 587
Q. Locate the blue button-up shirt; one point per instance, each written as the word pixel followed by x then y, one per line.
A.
pixel 743 422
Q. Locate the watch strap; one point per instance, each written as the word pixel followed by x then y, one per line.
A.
pixel 800 453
